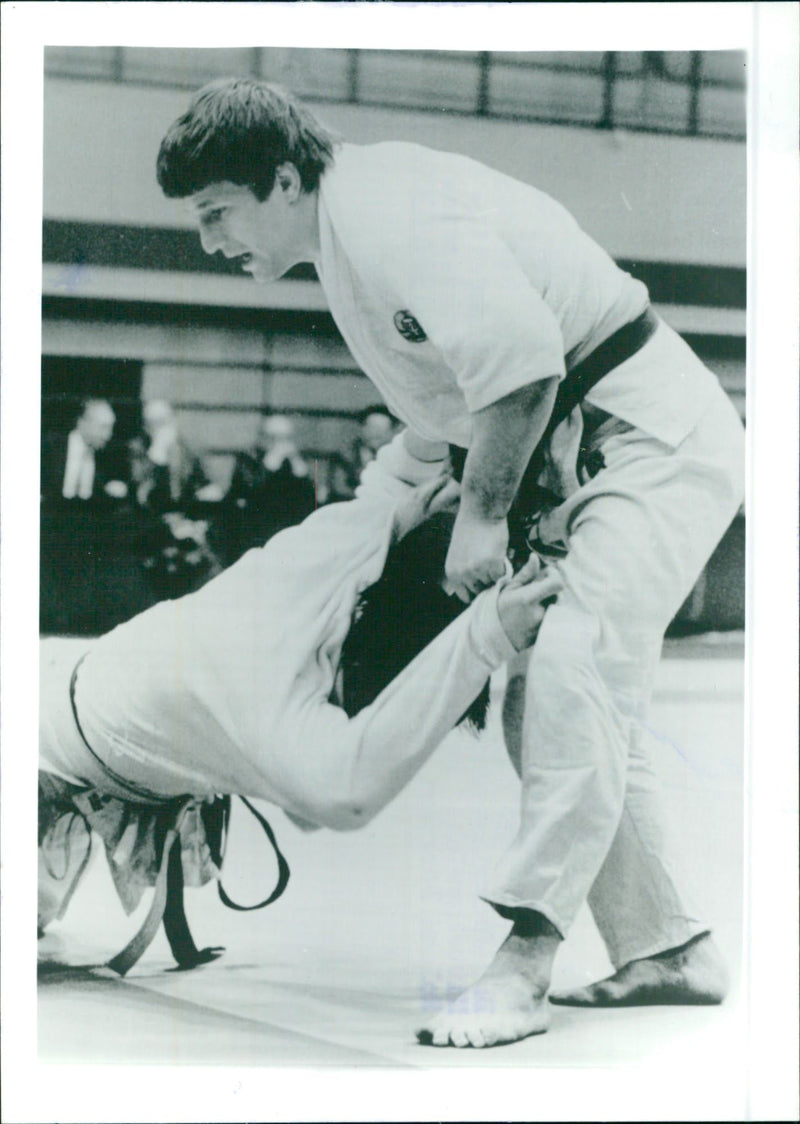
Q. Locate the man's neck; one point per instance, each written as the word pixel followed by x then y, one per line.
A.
pixel 312 247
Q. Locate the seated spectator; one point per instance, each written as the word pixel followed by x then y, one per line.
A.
pixel 377 427
pixel 169 475
pixel 90 558
pixel 85 464
pixel 271 488
pixel 172 487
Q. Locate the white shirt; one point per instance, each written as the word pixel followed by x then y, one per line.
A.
pixel 504 284
pixel 79 469
pixel 227 690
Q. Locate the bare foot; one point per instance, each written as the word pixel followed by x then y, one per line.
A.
pixel 508 1002
pixel 692 975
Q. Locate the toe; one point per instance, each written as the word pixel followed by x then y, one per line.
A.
pixel 459 1037
pixel 607 993
pixel 441 1037
pixel 477 1038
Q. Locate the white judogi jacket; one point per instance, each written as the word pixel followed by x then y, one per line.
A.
pixel 504 285
pixel 227 690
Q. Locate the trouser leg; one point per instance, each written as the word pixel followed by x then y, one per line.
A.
pixel 514 708
pixel 64 847
pixel 632 921
pixel 637 900
pixel 638 535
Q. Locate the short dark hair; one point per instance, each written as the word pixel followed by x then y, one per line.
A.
pixel 239 130
pixel 400 615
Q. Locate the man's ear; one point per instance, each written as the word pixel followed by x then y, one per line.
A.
pixel 288 180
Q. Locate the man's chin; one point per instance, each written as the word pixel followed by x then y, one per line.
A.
pixel 260 273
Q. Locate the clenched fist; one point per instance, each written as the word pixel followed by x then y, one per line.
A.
pixel 477 555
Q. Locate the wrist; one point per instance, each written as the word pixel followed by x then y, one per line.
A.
pixel 479 508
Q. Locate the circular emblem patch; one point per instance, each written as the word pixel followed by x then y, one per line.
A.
pixel 409 327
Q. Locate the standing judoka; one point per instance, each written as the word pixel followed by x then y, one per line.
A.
pixel 485 316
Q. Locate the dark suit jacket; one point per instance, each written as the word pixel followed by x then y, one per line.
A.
pixel 169 487
pixel 260 503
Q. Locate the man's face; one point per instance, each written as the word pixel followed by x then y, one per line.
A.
pixel 96 425
pixel 155 416
pixel 274 431
pixel 268 237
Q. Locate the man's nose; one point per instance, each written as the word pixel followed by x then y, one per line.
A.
pixel 210 240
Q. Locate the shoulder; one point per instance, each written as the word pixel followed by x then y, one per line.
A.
pixel 389 176
pixel 384 158
pixel 383 200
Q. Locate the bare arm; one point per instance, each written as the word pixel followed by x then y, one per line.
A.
pixel 504 435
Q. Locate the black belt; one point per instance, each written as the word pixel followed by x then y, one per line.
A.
pixel 531 497
pixel 572 390
pixel 133 791
pixel 167 905
pixel 579 381
pixel 622 345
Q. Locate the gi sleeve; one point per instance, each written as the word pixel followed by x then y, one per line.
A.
pixel 352 767
pixel 443 259
pixel 477 307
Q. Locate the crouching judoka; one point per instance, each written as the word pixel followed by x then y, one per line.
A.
pixel 319 673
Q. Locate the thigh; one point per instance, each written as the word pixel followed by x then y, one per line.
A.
pixel 637 537
pixel 639 533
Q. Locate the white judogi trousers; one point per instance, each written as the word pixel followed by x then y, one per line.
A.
pixel 638 535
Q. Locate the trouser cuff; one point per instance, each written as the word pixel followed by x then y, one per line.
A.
pixel 513 911
pixel 625 955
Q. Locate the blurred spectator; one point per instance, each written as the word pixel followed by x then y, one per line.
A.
pixel 90 557
pixel 85 464
pixel 271 488
pixel 168 474
pixel 377 427
pixel 172 487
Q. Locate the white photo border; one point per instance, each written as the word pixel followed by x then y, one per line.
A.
pixel 726 1080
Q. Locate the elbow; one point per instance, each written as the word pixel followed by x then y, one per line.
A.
pixel 346 814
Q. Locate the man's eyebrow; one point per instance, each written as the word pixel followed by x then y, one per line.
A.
pixel 205 204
